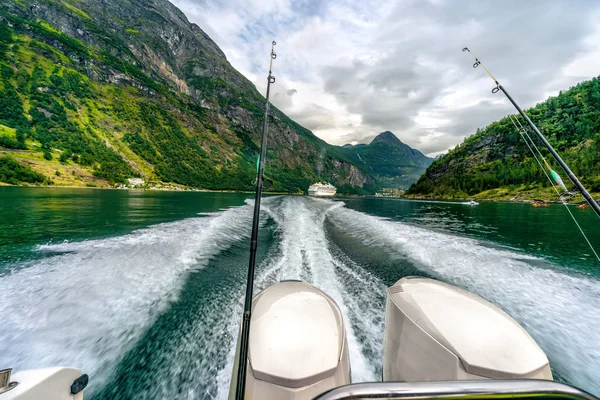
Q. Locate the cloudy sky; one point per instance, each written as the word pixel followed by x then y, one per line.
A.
pixel 348 70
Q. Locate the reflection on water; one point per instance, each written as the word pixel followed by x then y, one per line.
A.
pixel 32 216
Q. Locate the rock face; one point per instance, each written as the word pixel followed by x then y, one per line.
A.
pixel 162 97
pixel 393 163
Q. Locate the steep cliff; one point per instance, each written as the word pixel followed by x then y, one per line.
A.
pixel 98 91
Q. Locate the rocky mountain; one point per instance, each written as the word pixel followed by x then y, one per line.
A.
pixel 393 163
pixel 93 92
pixel 496 163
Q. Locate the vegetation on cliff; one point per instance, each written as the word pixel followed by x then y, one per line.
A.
pixel 495 161
pixel 393 163
pixel 14 173
pixel 92 93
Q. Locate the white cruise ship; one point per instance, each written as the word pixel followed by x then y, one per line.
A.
pixel 321 190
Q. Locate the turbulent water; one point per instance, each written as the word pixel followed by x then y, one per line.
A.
pixel 154 313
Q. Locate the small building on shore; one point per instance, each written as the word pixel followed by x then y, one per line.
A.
pixel 135 182
pixel 392 192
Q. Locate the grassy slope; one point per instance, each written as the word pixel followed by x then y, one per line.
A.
pixel 520 193
pixel 25 53
pixel 107 115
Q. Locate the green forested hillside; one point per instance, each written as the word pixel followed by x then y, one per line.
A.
pixel 496 161
pixel 93 93
pixel 393 163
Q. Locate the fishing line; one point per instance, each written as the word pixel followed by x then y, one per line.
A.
pixel 556 156
pixel 521 131
pixel 525 136
pixel 555 175
pixel 530 148
pixel 586 195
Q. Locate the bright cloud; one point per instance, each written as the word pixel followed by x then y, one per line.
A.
pixel 348 70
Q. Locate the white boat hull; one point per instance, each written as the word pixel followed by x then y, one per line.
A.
pixel 56 383
pixel 316 193
pixel 322 190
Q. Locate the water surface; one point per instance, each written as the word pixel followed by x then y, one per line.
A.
pixel 142 290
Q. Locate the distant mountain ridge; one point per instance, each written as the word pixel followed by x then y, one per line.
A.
pixel 393 163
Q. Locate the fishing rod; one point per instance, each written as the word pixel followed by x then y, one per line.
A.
pixel 586 195
pixel 245 334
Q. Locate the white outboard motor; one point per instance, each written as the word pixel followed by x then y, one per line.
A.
pixel 297 347
pixel 437 332
pixel 57 383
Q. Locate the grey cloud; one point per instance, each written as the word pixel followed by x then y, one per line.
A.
pixel 464 120
pixel 357 136
pixel 384 102
pixel 525 43
pixel 443 142
pixel 314 117
pixel 413 59
pixel 282 97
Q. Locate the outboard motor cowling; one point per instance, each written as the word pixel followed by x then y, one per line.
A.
pixel 437 332
pixel 297 347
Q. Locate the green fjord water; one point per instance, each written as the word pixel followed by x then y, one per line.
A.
pixel 142 290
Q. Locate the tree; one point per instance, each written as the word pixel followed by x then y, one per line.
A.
pixel 5 38
pixel 21 135
pixel 14 173
pixel 497 156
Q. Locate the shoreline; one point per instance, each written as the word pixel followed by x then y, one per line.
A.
pixel 578 200
pixel 150 189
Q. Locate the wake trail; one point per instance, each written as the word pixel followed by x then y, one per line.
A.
pixel 305 253
pixel 87 303
pixel 559 309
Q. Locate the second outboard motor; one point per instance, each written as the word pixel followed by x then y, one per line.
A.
pixel 437 332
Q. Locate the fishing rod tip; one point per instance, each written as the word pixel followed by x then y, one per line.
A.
pixel 274 43
pixel 466 49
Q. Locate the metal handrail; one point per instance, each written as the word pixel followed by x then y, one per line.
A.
pixel 479 389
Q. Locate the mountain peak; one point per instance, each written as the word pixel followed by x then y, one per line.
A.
pixel 386 137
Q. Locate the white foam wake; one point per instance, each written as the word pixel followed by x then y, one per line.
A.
pixel 90 304
pixel 305 253
pixel 87 307
pixel 560 310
